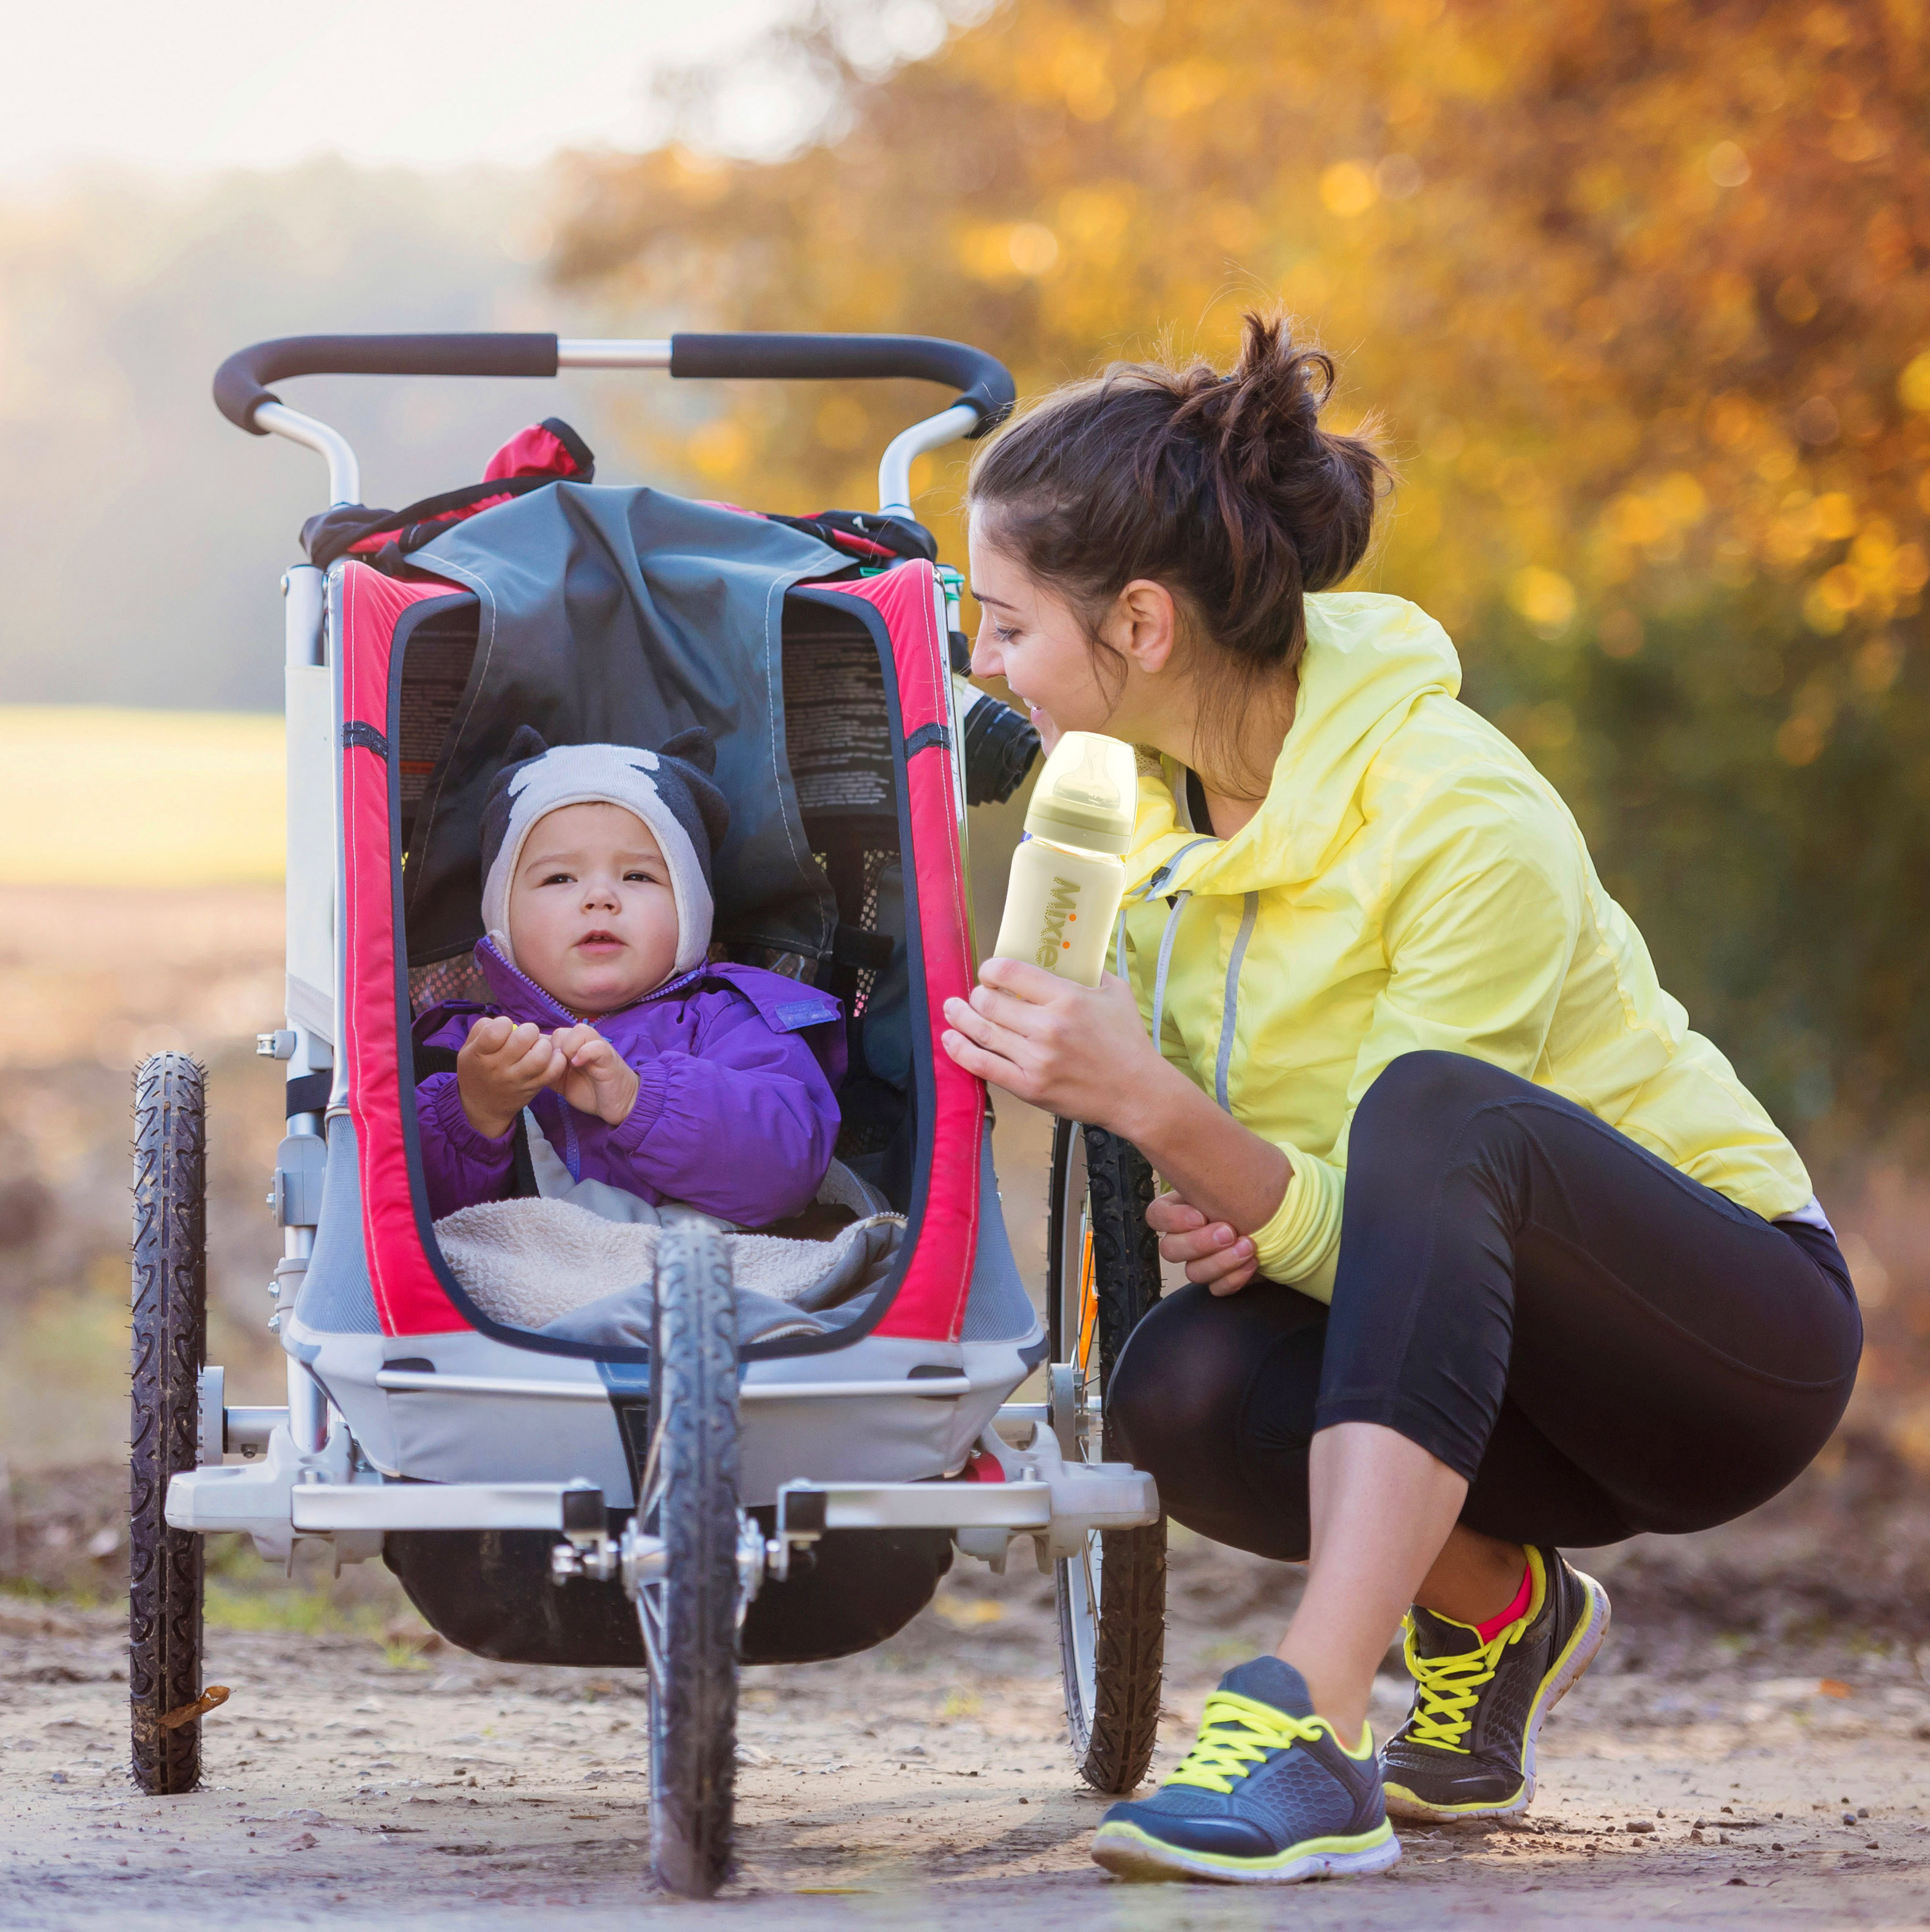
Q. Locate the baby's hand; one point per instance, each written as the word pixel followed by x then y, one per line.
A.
pixel 592 1075
pixel 501 1069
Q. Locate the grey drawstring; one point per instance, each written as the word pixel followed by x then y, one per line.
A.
pixel 1151 890
pixel 1166 939
pixel 1230 1005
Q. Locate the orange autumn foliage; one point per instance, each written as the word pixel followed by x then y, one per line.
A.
pixel 1637 292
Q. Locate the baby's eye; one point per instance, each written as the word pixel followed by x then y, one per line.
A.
pixel 560 879
pixel 639 878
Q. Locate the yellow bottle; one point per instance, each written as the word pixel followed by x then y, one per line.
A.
pixel 1068 877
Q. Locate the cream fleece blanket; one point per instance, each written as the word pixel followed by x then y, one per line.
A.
pixel 527 1263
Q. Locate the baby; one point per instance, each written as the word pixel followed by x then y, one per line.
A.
pixel 646 1068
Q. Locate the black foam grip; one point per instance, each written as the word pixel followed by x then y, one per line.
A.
pixel 240 383
pixel 985 382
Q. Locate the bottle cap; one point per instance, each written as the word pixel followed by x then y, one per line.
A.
pixel 1087 795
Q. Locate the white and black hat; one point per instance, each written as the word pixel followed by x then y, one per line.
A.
pixel 669 790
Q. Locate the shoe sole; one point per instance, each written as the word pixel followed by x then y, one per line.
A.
pixel 1129 1852
pixel 1578 1654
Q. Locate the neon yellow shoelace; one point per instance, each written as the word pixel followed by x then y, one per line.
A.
pixel 1236 1734
pixel 1449 1687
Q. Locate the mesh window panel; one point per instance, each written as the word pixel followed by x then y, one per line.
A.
pixel 875 862
pixel 434 675
pixel 458 978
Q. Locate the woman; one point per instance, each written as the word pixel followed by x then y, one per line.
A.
pixel 1487 1252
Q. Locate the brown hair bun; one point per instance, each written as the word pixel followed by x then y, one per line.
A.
pixel 1225 488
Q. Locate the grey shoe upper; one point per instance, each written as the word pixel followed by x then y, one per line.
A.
pixel 1310 1789
pixel 1489 1766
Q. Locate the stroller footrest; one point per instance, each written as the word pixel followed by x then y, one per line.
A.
pixel 316 1507
pixel 806 1509
pixel 1047 1496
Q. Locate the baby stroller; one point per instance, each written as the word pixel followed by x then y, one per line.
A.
pixel 698 1502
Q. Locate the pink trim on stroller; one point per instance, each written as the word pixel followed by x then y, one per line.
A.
pixel 930 1301
pixel 409 1295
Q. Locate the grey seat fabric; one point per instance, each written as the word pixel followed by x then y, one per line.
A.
pixel 622 615
pixel 335 1297
pixel 997 1308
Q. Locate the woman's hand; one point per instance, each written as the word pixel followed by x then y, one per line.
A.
pixel 1078 1052
pixel 592 1075
pixel 1214 1252
pixel 500 1068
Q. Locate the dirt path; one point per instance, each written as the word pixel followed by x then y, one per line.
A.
pixel 927 1782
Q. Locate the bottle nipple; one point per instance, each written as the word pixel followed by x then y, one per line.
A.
pixel 1092 784
pixel 1086 795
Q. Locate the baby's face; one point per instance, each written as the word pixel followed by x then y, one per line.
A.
pixel 592 919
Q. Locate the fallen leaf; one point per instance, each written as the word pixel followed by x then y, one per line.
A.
pixel 1833 1687
pixel 186 1714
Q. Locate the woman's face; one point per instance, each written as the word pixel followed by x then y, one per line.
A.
pixel 1031 637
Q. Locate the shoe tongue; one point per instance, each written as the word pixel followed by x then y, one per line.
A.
pixel 1442 1636
pixel 1266 1680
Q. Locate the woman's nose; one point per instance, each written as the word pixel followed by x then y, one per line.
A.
pixel 986 659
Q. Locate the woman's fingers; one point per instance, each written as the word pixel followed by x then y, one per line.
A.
pixel 1170 1215
pixel 1233 1280
pixel 1216 1244
pixel 984 1065
pixel 982 1031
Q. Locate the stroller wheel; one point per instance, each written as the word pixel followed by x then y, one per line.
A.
pixel 1103 1274
pixel 170 1348
pixel 689 1610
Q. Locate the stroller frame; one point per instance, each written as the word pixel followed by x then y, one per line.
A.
pixel 325 1467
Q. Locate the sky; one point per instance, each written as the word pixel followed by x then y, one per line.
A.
pixel 202 84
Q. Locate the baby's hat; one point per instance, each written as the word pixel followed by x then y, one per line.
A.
pixel 669 790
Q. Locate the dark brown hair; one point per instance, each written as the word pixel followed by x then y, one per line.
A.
pixel 1225 488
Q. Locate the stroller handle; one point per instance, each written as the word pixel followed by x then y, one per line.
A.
pixel 985 384
pixel 240 383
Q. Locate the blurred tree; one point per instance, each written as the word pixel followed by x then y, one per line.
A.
pixel 1639 292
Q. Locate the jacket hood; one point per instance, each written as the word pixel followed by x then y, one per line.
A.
pixel 1370 660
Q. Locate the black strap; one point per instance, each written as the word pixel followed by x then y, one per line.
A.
pixel 854 945
pixel 925 737
pixel 308 1093
pixel 355 733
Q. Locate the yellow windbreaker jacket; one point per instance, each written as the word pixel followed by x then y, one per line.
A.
pixel 1410 882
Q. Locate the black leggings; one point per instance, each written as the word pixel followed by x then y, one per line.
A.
pixel 1600 1345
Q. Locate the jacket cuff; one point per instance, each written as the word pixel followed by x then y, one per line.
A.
pixel 645 1110
pixel 460 1131
pixel 1301 1245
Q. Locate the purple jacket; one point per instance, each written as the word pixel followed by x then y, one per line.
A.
pixel 735 1112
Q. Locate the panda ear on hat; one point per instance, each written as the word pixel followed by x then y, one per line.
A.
pixel 695 746
pixel 527 742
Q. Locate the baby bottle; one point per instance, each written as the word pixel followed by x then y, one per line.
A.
pixel 1068 877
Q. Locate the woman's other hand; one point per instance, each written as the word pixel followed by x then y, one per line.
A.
pixel 499 1069
pixel 1078 1052
pixel 592 1075
pixel 1213 1252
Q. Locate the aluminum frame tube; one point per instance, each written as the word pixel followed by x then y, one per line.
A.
pixel 894 465
pixel 345 475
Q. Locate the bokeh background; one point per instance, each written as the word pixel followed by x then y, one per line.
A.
pixel 1636 294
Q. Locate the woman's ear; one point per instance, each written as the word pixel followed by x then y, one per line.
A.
pixel 1143 625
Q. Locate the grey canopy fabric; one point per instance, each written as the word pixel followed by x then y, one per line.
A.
pixel 622 616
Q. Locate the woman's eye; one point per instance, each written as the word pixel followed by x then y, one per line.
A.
pixel 1004 636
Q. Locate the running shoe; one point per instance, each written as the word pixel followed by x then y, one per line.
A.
pixel 1467 1749
pixel 1268 1796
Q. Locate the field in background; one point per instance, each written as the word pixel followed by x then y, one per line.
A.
pixel 95 796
